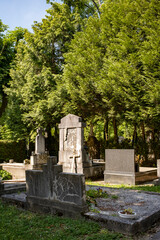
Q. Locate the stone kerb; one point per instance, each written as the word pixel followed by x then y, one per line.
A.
pixel 51 190
pixel 119 166
pixel 72 154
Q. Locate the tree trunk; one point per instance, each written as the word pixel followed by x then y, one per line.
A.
pixel 4 104
pixel 115 131
pixel 106 135
pixel 134 135
pixel 91 130
pixel 143 131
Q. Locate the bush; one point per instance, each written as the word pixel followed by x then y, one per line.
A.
pixel 12 150
pixel 5 175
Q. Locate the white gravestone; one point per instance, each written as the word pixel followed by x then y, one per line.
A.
pixel 40 156
pixel 72 154
pixel 40 142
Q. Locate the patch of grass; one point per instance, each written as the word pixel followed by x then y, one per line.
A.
pixel 17 224
pixel 114 197
pixel 149 188
pixel 99 193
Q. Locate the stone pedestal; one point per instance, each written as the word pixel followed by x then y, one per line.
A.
pixel 72 154
pixel 37 160
pixel 119 166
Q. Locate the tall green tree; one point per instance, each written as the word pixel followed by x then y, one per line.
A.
pixel 109 56
pixel 8 45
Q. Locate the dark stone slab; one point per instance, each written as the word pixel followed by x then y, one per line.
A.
pixel 51 189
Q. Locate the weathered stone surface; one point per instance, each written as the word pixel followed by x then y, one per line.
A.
pixel 145 204
pixel 72 154
pixel 38 160
pixel 57 191
pixel 119 166
pixel 17 170
pixel 40 142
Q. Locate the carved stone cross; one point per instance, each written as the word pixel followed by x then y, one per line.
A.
pixel 74 163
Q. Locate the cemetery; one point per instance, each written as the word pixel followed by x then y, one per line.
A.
pixel 80 122
pixel 57 186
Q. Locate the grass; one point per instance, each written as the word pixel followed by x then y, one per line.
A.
pixel 16 224
pixel 149 188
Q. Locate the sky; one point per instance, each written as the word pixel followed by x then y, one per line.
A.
pixel 22 13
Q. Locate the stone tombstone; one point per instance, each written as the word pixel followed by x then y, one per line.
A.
pixel 51 190
pixel 72 154
pixel 119 166
pixel 40 156
pixel 40 142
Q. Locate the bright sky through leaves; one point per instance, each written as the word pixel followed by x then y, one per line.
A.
pixel 20 13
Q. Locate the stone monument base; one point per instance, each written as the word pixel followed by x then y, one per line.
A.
pixel 58 208
pixel 38 160
pixel 119 178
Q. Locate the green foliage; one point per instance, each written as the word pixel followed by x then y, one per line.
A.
pixel 12 150
pixel 99 193
pixel 35 226
pixel 5 175
pixel 149 188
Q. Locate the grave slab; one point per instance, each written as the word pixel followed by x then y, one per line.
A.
pixel 145 204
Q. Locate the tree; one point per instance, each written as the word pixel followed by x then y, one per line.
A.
pixel 36 73
pixel 109 59
pixel 8 45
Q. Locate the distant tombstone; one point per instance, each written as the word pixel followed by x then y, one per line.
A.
pixel 40 142
pixel 40 156
pixel 158 168
pixel 72 154
pixel 119 166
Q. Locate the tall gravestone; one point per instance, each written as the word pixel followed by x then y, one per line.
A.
pixel 40 142
pixel 72 154
pixel 40 156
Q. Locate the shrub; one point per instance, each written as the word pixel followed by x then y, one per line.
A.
pixel 5 175
pixel 12 150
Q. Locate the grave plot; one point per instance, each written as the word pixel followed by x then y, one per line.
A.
pixel 145 205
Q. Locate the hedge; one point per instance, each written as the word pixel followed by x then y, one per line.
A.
pixel 12 150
